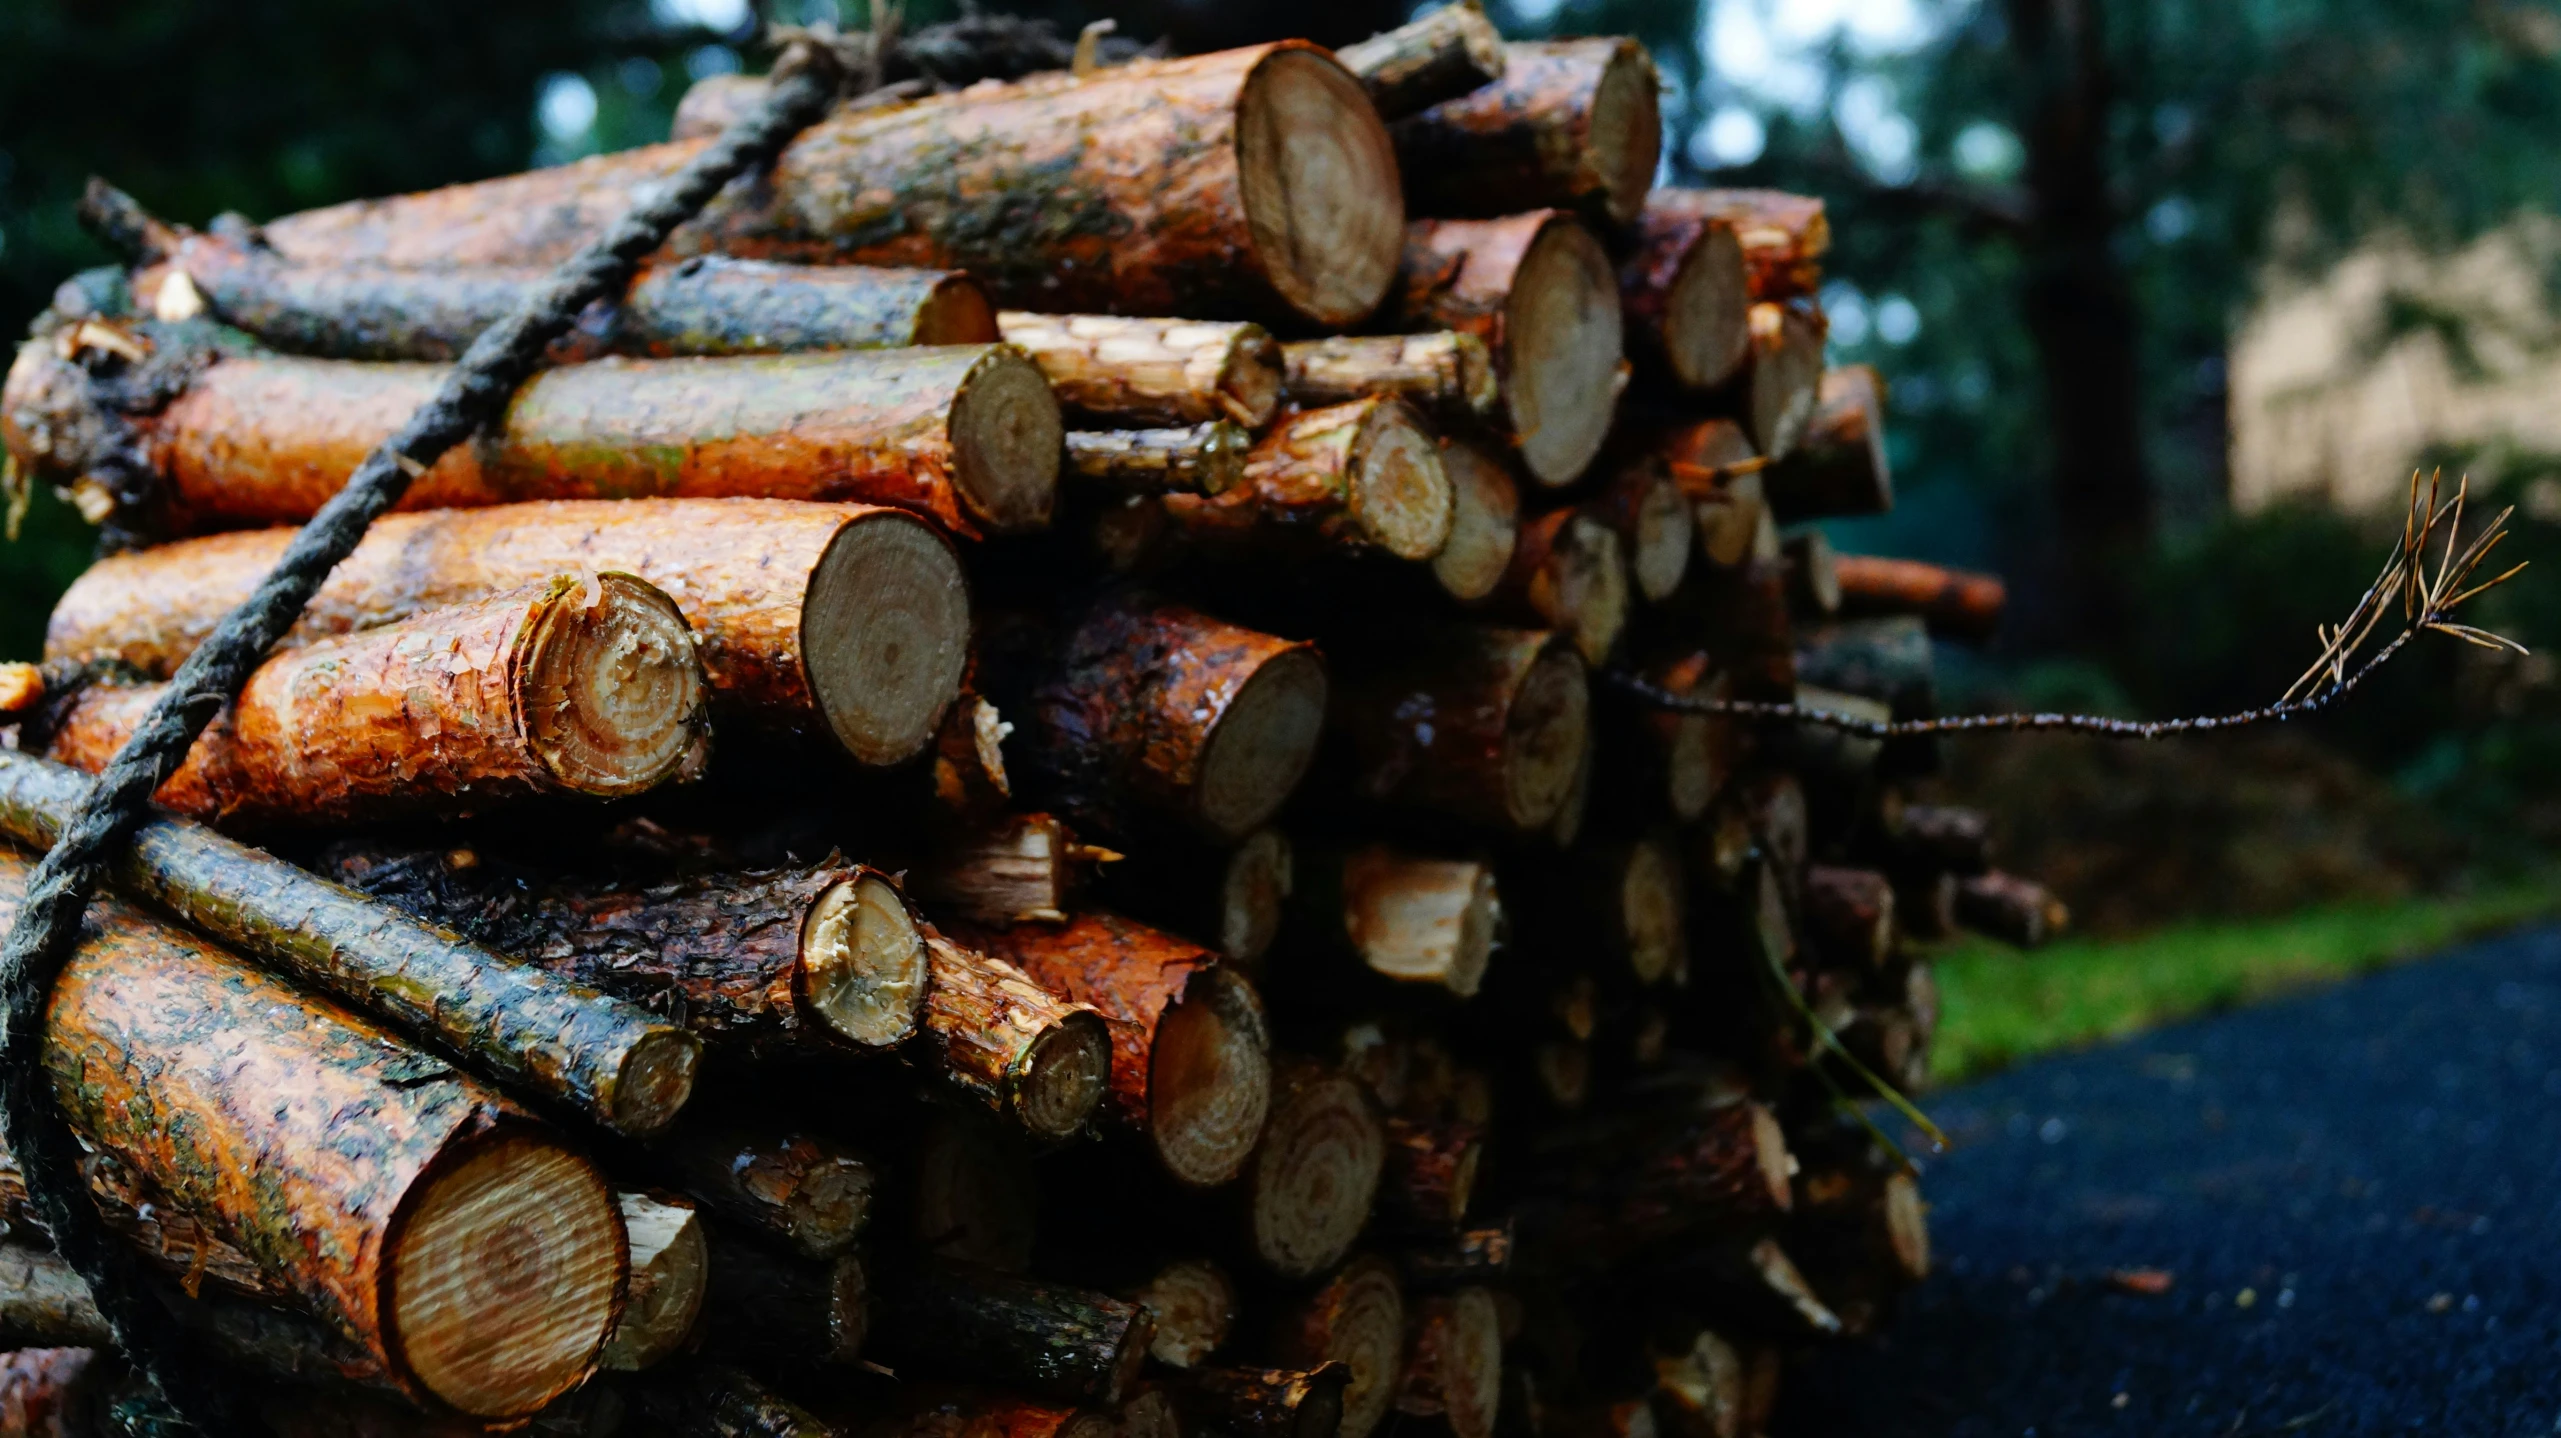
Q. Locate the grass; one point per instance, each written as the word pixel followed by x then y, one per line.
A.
pixel 2000 1006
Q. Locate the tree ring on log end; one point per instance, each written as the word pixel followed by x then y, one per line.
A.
pixel 1063 1077
pixel 1562 338
pixel 1362 1313
pixel 1316 1175
pixel 1209 1079
pixel 958 312
pixel 1195 1306
pixel 1262 744
pixel 884 632
pixel 506 1267
pixel 612 688
pixel 656 1079
pixel 862 962
pixel 1543 737
pixel 1907 1226
pixel 1707 316
pixel 1650 907
pixel 1252 893
pixel 1626 131
pixel 1400 493
pixel 1008 442
pixel 1470 1358
pixel 1663 536
pixel 1485 523
pixel 1323 200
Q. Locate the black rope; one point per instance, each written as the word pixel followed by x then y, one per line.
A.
pixel 813 71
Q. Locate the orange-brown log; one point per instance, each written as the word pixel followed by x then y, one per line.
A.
pixel 1141 372
pixel 1447 374
pixel 1538 289
pixel 1412 918
pixel 1443 55
pixel 1267 1402
pixel 1312 1180
pixel 1485 520
pixel 1687 292
pixel 1356 1319
pixel 1569 573
pixel 1454 1362
pixel 2012 909
pixel 1431 1170
pixel 1231 899
pixel 1571 122
pixel 1784 236
pixel 1482 724
pixel 1205 459
pixel 1015 868
pixel 1191 1065
pixel 1779 384
pixel 1849 915
pixel 831 618
pixel 585 685
pixel 1247 184
pixel 993 1034
pixel 1364 475
pixel 1956 603
pixel 1652 516
pixel 1840 466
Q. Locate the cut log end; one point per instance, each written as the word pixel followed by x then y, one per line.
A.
pixel 1662 535
pixel 1065 1074
pixel 1457 1367
pixel 1195 1307
pixel 1707 327
pixel 1650 910
pixel 884 634
pixel 1770 1156
pixel 1007 443
pixel 655 1081
pixel 1485 522
pixel 1209 1081
pixel 613 691
pixel 957 312
pixel 1316 1173
pixel 1357 1320
pixel 1262 744
pixel 1421 920
pixel 505 1276
pixel 1585 587
pixel 1253 892
pixel 1786 377
pixel 1907 1226
pixel 862 962
pixel 670 1266
pixel 1322 198
pixel 1627 131
pixel 1543 739
pixel 1400 492
pixel 1562 338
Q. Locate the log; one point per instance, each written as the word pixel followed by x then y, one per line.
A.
pixel 1604 1196
pixel 1781 381
pixel 1365 475
pixel 1412 918
pixel 1699 1391
pixel 1840 467
pixel 1251 184
pixel 1756 1288
pixel 44 1303
pixel 1667 760
pixel 1440 56
pixel 1569 573
pixel 585 685
pixel 1446 374
pixel 1039 1339
pixel 1135 708
pixel 1454 1365
pixel 1267 1402
pixel 1204 459
pixel 1569 123
pixel 1940 836
pixel 1470 1257
pixel 1849 915
pixel 1020 868
pixel 670 1270
pixel 1538 290
pixel 799 1189
pixel 58 1392
pixel 1357 1319
pixel 780 1314
pixel 1956 604
pixel 965 434
pixel 1312 1180
pixel 472 1256
pixel 1485 725
pixel 1686 291
pixel 970 784
pixel 2011 909
pixel 973 1195
pixel 757 963
pixel 615 1063
pixel 842 619
pixel 1194 1304
pixel 993 1034
pixel 715 1400
pixel 1651 515
pixel 1566 829
pixel 1430 1176
pixel 1133 373
pixel 1784 237
pixel 1485 520
pixel 1190 1065
pixel 1233 899
pixel 1702 452
pixel 1813 573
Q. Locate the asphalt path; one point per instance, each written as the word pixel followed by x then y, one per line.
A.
pixel 2353 1195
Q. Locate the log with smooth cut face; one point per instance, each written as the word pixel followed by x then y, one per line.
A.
pixel 1455 1367
pixel 1840 467
pixel 1570 123
pixel 1783 378
pixel 1026 1053
pixel 1650 919
pixel 1360 475
pixel 1481 724
pixel 1569 573
pixel 805 1191
pixel 1485 521
pixel 884 634
pixel 1313 164
pixel 1543 737
pixel 1312 1181
pixel 1195 1306
pixel 1687 292
pixel 1358 1320
pixel 1253 891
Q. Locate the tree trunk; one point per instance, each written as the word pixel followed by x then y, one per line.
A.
pixel 1034 1058
pixel 1140 372
pixel 1446 374
pixel 1450 52
pixel 1686 291
pixel 829 618
pixel 1840 466
pixel 1570 123
pixel 1365 475
pixel 1016 1333
pixel 1357 1320
pixel 1485 725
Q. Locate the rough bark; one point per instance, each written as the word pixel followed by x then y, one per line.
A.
pixel 1232 899
pixel 780 1314
pixel 1454 1363
pixel 1485 725
pixel 1955 603
pixel 567 1043
pixel 1203 459
pixel 2011 909
pixel 1191 1064
pixel 1849 915
pixel 1267 1402
pixel 993 1034
pixel 1357 1319
pixel 1034 1338
pixel 1687 292
pixel 586 685
pixel 1431 1171
pixel 1140 372
pixel 1250 184
pixel 1780 383
pixel 1538 289
pixel 1784 236
pixel 1018 868
pixel 843 619
pixel 1840 467
pixel 1443 55
pixel 1309 1189
pixel 670 1269
pixel 1570 123
pixel 1485 520
pixel 802 1190
pixel 1569 573
pixel 1365 475
pixel 1447 374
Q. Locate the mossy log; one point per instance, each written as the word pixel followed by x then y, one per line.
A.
pixel 1441 56
pixel 1569 573
pixel 1784 236
pixel 1035 1338
pixel 1204 459
pixel 1140 372
pixel 1570 123
pixel 1364 475
pixel 1357 1319
pixel 832 618
pixel 1956 603
pixel 584 685
pixel 1446 374
pixel 1246 184
pixel 1481 724
pixel 992 1033
pixel 1687 291
pixel 1840 466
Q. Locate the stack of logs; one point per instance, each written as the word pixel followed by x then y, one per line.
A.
pixel 997 806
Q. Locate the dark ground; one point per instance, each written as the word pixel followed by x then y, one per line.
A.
pixel 2358 1193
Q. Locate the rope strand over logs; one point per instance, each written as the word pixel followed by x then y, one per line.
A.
pixel 815 68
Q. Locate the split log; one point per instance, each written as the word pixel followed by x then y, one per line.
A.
pixel 1362 475
pixel 1357 1320
pixel 2011 909
pixel 972 1194
pixel 806 1192
pixel 1446 374
pixel 1454 1363
pixel 1605 1195
pixel 1234 899
pixel 1849 915
pixel 1687 293
pixel 1430 1176
pixel 1784 237
pixel 780 1314
pixel 1309 1188
pixel 1249 184
pixel 993 1034
pixel 1448 53
pixel 1840 466
pixel 58 1392
pixel 758 963
pixel 1957 604
pixel 1194 1304
pixel 1783 377
pixel 1035 1338
pixel 585 685
pixel 1940 836
pixel 831 618
pixel 1472 1257
pixel 1485 725
pixel 618 1064
pixel 715 1400
pixel 1569 573
pixel 670 1269
pixel 1409 917
pixel 44 1303
pixel 1485 520
pixel 1813 573
pixel 1019 868
pixel 1191 1067
pixel 1651 515
pixel 1538 289
pixel 463 1249
pixel 968 765
pixel 1267 1402
pixel 1205 459
pixel 1140 372
pixel 1570 122
pixel 966 434
pixel 1136 707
